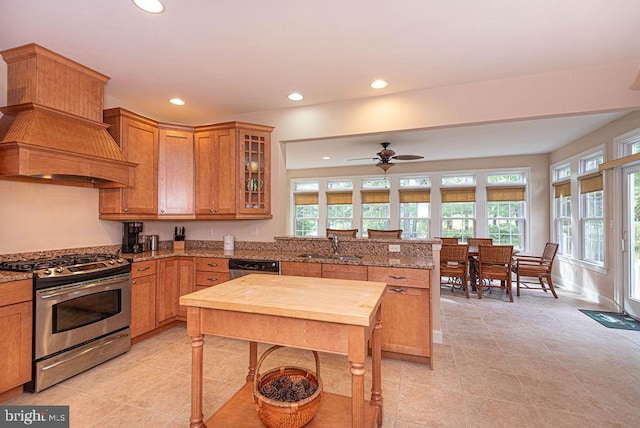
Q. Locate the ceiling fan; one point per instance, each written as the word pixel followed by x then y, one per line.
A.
pixel 385 156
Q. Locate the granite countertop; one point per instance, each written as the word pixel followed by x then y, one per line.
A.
pixel 389 260
pixel 384 260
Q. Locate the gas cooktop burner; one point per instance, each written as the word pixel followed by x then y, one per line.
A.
pixel 29 265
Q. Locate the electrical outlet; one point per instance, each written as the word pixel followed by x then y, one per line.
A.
pixel 394 248
pixel 210 231
pixel 254 230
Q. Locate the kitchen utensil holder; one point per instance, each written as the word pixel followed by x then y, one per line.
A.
pixel 178 245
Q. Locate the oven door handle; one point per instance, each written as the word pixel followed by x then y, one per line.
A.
pixel 80 354
pixel 55 293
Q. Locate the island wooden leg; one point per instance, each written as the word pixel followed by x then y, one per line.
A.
pixel 357 394
pixel 253 360
pixel 376 367
pixel 196 420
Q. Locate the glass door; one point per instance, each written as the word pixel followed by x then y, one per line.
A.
pixel 630 241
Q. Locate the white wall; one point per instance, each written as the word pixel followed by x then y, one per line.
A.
pixel 593 283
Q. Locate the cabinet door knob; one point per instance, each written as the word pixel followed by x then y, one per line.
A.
pixel 266 211
pixel 398 289
pixel 140 269
pixel 212 264
pixel 162 211
pixel 126 210
pixel 134 282
pixel 212 278
pixel 397 277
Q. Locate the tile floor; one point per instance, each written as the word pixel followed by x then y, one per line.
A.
pixel 537 362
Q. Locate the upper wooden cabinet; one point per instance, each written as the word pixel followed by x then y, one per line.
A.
pixel 233 171
pixel 175 171
pixel 137 137
pixel 220 171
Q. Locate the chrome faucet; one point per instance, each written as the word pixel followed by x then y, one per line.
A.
pixel 334 242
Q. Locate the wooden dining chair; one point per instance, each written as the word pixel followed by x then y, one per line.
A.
pixel 342 232
pixel 384 234
pixel 449 241
pixel 538 267
pixel 454 261
pixel 494 264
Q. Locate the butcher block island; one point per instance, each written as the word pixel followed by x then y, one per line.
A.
pixel 323 314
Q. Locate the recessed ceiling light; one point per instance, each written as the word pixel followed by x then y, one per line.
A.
pixel 177 101
pixel 326 157
pixel 378 84
pixel 295 96
pixel 151 6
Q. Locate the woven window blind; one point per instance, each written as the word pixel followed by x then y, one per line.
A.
pixel 459 195
pixel 591 183
pixel 496 194
pixel 423 195
pixel 562 189
pixel 339 198
pixel 306 198
pixel 375 197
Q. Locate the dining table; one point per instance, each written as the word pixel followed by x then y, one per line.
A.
pixel 321 314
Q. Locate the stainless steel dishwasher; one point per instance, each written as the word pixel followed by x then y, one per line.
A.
pixel 241 267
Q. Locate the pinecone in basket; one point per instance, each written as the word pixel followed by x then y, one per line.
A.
pixel 284 389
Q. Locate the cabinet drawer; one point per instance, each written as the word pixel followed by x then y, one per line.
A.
pixel 143 268
pixel 337 271
pixel 400 276
pixel 212 264
pixel 207 279
pixel 16 292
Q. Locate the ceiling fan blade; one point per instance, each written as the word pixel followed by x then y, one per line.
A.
pixel 363 159
pixel 407 157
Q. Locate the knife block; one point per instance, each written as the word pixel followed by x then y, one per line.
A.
pixel 178 245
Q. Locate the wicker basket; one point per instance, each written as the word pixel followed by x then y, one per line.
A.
pixel 279 414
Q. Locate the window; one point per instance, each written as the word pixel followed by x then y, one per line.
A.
pixel 562 173
pixel 457 180
pixel 415 213
pixel 375 210
pixel 562 215
pixel 592 209
pixel 458 212
pixel 339 210
pixel 306 214
pixel 505 215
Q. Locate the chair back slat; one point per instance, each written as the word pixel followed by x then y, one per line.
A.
pixel 449 241
pixel 495 254
pixel 454 253
pixel 389 234
pixel 549 253
pixel 342 232
pixel 476 242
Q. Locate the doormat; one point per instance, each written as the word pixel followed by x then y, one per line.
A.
pixel 613 319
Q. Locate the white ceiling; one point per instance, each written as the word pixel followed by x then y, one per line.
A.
pixel 227 58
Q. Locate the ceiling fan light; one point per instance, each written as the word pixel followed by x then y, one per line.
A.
pixel 385 165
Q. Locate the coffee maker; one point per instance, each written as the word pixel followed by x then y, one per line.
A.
pixel 131 231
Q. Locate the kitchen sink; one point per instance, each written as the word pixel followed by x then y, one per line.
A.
pixel 329 256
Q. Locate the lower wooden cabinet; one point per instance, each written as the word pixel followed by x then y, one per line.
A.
pixel 313 270
pixel 143 297
pixel 211 271
pixel 176 276
pixel 356 273
pixel 15 334
pixel 406 312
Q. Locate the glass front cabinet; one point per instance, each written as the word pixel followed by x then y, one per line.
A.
pixel 233 171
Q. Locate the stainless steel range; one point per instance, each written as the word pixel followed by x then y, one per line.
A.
pixel 82 312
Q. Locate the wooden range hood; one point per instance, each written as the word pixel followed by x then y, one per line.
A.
pixel 52 129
